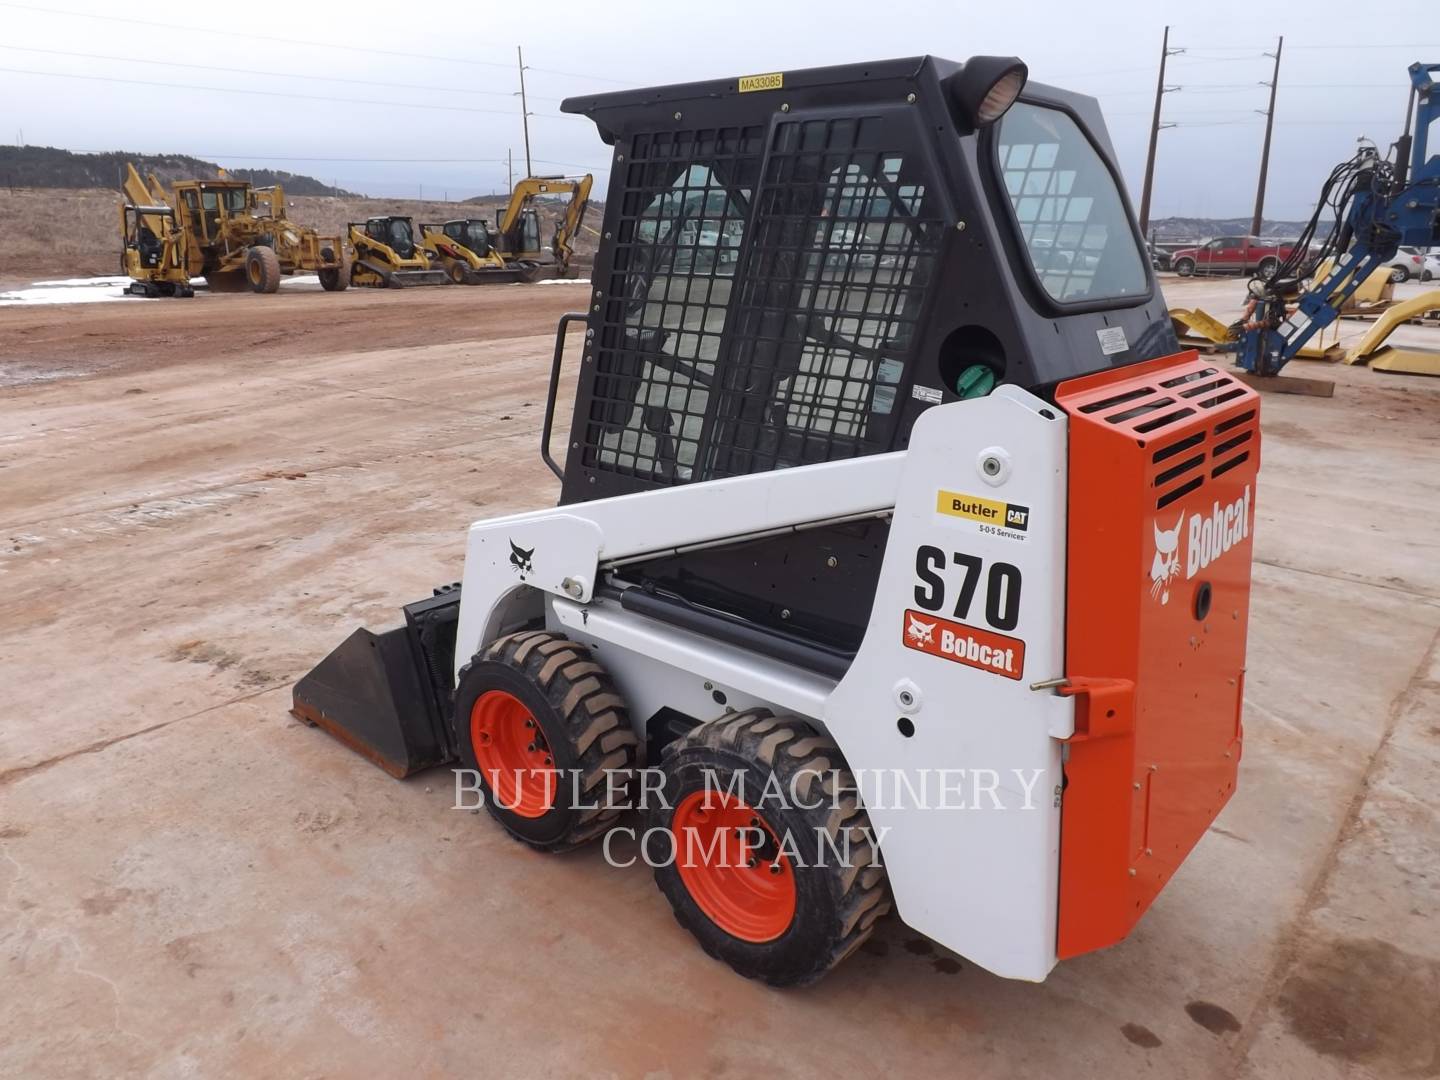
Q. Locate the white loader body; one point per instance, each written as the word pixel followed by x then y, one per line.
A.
pixel 968 615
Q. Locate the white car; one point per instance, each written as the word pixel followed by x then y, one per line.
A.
pixel 1414 262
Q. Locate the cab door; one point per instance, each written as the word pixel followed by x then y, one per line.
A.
pixel 1208 258
pixel 1231 253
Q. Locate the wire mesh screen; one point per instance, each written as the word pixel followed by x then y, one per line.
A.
pixel 754 324
pixel 677 242
pixel 842 251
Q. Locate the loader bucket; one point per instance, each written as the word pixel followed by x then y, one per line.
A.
pixel 386 695
pixel 408 278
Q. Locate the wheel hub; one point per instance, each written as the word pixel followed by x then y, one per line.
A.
pixel 730 860
pixel 513 754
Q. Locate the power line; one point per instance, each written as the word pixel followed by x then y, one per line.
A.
pixel 239 156
pixel 170 27
pixel 281 94
pixel 149 62
pixel 582 75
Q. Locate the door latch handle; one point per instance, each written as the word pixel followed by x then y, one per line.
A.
pixel 1106 707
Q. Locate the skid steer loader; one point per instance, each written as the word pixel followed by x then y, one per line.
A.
pixel 386 255
pixel 463 249
pixel 901 559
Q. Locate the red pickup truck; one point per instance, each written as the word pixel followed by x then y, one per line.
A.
pixel 1231 254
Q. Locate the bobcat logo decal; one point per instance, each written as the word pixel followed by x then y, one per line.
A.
pixel 1166 566
pixel 520 559
pixel 922 633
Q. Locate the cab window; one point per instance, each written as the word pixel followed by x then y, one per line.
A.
pixel 1072 220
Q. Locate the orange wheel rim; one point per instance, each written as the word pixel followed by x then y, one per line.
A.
pixel 730 862
pixel 513 754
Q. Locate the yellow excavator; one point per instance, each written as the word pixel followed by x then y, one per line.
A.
pixel 386 255
pixel 516 236
pixel 154 249
pixel 235 235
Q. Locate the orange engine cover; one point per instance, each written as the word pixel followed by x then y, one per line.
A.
pixel 1163 459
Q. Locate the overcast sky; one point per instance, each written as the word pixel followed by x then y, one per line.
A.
pixel 1342 76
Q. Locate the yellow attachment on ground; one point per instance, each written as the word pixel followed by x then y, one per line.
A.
pixel 1199 324
pixel 1376 291
pixel 1406 359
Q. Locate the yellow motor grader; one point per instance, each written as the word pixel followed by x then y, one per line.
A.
pixel 238 236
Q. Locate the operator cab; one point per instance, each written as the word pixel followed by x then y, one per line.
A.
pixel 396 233
pixel 210 202
pixel 798 272
pixel 473 233
pixel 899 234
pixel 141 238
pixel 524 236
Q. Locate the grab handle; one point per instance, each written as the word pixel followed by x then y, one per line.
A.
pixel 561 327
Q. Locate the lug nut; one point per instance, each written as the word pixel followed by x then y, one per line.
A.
pixel 775 867
pixel 534 747
pixel 529 723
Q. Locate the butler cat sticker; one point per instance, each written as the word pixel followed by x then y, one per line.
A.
pixel 996 518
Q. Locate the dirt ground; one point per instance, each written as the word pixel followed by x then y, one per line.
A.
pixel 198 499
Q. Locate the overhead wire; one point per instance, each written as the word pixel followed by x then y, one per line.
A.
pixel 171 27
pixel 284 94
pixel 151 62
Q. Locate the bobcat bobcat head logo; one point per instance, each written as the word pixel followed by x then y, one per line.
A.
pixel 520 559
pixel 1165 567
pixel 922 633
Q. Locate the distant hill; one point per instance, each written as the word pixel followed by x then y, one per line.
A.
pixel 1184 228
pixel 48 167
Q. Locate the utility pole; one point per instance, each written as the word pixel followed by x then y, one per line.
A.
pixel 1155 125
pixel 509 170
pixel 524 114
pixel 1265 153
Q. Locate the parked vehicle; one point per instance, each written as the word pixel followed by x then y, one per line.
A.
pixel 1232 255
pixel 1159 257
pixel 1414 262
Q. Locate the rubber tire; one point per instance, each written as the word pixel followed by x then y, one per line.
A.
pixel 262 269
pixel 336 279
pixel 455 272
pixel 585 723
pixel 1267 267
pixel 1185 267
pixel 1399 275
pixel 836 907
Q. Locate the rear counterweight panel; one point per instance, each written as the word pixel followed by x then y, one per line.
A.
pixel 1163 461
